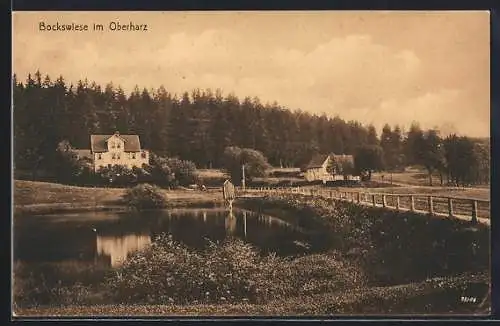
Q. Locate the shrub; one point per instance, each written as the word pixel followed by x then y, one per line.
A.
pixel 116 175
pixel 255 162
pixel 65 283
pixel 168 272
pixel 145 196
pixel 231 272
pixel 166 171
pixel 184 171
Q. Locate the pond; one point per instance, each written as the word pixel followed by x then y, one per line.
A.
pixel 108 237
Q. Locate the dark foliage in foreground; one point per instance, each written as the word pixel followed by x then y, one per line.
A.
pixel 170 273
pixel 232 271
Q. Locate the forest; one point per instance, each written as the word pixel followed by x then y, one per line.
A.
pixel 198 126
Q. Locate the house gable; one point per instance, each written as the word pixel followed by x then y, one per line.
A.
pixel 318 161
pixel 103 143
pixel 317 169
pixel 115 143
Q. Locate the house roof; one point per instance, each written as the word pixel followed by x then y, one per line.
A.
pixel 98 143
pixel 317 161
pixel 83 153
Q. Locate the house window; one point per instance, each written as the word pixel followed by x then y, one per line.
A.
pixel 133 156
pixel 114 157
pixel 118 145
pixel 143 155
pixel 118 156
pixel 99 156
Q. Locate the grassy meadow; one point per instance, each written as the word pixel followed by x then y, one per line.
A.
pixel 45 197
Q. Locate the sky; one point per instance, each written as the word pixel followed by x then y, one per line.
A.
pixel 373 67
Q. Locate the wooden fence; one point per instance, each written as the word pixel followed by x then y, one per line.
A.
pixel 474 210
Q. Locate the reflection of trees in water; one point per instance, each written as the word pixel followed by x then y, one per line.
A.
pixel 194 226
pixel 119 247
pixel 273 221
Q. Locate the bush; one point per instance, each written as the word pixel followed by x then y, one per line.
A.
pixel 231 272
pixel 166 171
pixel 184 171
pixel 168 272
pixel 116 175
pixel 62 283
pixel 145 196
pixel 255 163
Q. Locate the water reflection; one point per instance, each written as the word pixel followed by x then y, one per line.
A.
pixel 117 248
pixel 109 237
pixel 230 223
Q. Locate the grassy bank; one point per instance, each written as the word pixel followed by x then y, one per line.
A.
pixel 397 247
pixel 33 197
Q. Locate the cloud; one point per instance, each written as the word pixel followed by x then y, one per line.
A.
pixel 430 110
pixel 355 76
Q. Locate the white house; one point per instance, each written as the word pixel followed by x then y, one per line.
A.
pixel 317 169
pixel 116 149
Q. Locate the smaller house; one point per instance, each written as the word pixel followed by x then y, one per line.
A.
pixel 317 167
pixel 329 167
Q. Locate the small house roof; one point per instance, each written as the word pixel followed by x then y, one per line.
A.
pixel 98 143
pixel 83 153
pixel 317 161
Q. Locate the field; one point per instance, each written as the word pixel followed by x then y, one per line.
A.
pixel 412 177
pixel 412 181
pixel 41 197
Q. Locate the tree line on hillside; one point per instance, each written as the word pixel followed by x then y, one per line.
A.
pixel 200 127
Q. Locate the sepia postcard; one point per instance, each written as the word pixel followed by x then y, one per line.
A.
pixel 248 164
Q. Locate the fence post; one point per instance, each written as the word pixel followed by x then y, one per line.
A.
pixel 412 203
pixel 397 202
pixel 359 197
pixel 474 211
pixel 450 207
pixel 384 201
pixel 373 201
pixel 431 206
